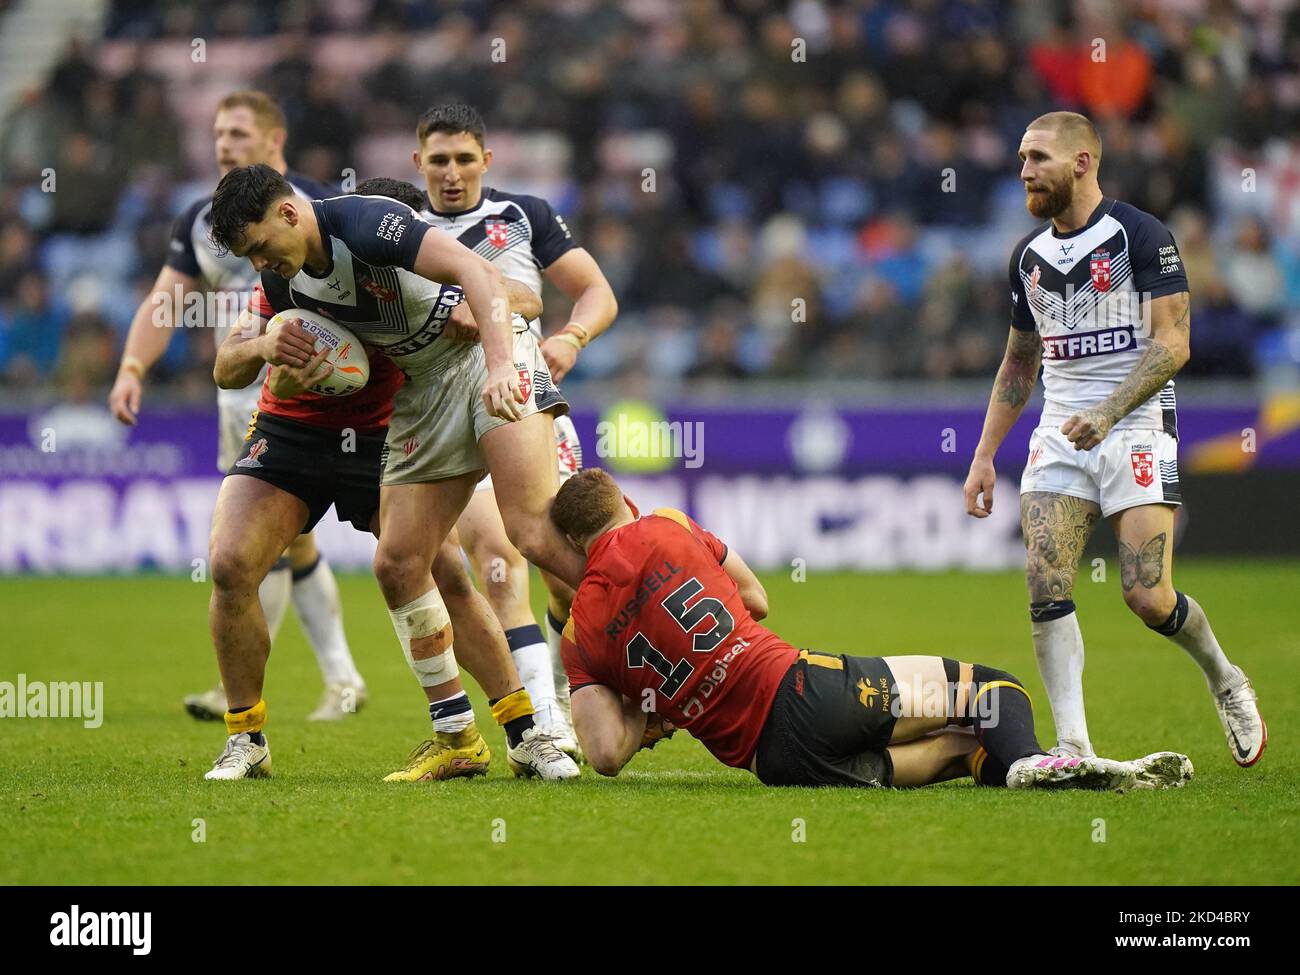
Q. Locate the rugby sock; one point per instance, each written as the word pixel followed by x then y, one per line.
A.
pixel 1188 627
pixel 554 632
pixel 1003 717
pixel 533 661
pixel 248 720
pixel 514 713
pixel 316 600
pixel 451 714
pixel 1058 645
pixel 273 594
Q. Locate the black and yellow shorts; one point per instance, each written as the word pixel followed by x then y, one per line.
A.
pixel 316 465
pixel 830 723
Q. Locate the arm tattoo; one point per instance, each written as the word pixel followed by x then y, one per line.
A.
pixel 1019 371
pixel 1156 367
pixel 1056 529
pixel 1146 566
pixel 1183 322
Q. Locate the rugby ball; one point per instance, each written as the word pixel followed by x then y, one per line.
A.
pixel 347 355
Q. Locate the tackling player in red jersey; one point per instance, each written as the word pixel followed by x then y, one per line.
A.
pixel 664 633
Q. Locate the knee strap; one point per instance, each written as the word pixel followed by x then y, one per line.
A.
pixel 1176 619
pixel 1050 609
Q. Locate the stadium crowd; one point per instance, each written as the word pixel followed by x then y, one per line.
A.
pixel 810 189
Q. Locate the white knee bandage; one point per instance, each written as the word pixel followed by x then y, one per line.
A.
pixel 424 617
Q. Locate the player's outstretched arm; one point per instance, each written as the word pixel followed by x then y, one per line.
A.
pixel 752 593
pixel 608 726
pixel 579 277
pixel 1011 391
pixel 147 341
pixel 1170 348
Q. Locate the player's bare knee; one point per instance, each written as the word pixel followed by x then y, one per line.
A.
pixel 1044 584
pixel 450 576
pixel 499 565
pixel 393 569
pixel 1151 606
pixel 303 551
pixel 232 570
pixel 603 764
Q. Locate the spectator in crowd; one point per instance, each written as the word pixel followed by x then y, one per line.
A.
pixel 817 163
pixel 33 329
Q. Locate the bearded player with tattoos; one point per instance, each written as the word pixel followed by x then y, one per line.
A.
pixel 1100 300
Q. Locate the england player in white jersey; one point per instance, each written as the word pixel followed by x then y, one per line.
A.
pixel 1100 299
pixel 465 408
pixel 527 239
pixel 249 128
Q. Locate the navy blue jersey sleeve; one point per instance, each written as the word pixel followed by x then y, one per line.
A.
pixel 180 249
pixel 313 189
pixel 551 236
pixel 1157 265
pixel 271 296
pixel 377 230
pixel 1021 316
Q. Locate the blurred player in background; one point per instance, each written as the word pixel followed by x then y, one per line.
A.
pixel 664 634
pixel 1084 288
pixel 249 128
pixel 526 238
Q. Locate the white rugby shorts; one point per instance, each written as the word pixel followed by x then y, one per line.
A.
pixel 1127 469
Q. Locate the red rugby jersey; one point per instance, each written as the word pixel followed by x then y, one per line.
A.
pixel 366 411
pixel 656 611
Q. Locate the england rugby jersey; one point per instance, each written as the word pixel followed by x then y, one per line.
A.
pixel 1087 293
pixel 369 285
pixel 193 254
pixel 522 235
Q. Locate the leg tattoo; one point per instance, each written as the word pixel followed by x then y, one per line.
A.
pixel 1056 529
pixel 1146 565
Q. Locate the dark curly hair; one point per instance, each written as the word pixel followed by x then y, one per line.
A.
pixel 243 196
pixel 394 189
pixel 451 118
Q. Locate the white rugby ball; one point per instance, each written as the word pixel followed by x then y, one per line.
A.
pixel 347 355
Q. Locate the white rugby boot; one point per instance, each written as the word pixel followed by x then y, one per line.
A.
pixel 1243 725
pixel 208 706
pixel 553 722
pixel 1162 770
pixel 242 758
pixel 537 755
pixel 1066 748
pixel 339 701
pixel 1061 772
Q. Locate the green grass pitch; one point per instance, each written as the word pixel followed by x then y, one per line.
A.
pixel 118 804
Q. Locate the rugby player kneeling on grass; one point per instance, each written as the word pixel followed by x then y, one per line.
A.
pixel 664 634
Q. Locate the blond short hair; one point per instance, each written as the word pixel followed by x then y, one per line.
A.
pixel 267 113
pixel 1074 130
